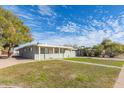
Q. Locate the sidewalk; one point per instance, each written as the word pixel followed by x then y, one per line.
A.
pixel 102 65
pixel 100 58
pixel 120 81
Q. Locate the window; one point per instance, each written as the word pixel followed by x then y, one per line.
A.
pixel 56 50
pixel 61 50
pixel 24 49
pixel 46 50
pixel 42 50
pixel 31 49
pixel 50 50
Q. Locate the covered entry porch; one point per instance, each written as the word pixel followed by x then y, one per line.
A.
pixel 53 52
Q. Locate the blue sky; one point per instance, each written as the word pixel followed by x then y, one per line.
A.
pixel 81 25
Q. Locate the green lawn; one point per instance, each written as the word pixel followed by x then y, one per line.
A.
pixel 98 61
pixel 58 74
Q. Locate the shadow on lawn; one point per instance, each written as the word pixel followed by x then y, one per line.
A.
pixel 16 57
pixel 3 57
pixel 20 58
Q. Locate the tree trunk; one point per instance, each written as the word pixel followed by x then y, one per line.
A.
pixel 9 52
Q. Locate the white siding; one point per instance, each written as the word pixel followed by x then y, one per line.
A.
pixel 28 52
pixel 32 52
pixel 67 54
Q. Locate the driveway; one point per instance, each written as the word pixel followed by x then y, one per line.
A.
pixel 5 62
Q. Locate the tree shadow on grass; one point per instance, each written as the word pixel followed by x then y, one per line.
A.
pixel 3 57
pixel 20 58
pixel 14 57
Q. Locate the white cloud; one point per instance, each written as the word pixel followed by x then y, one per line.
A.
pixel 61 40
pixel 25 16
pixel 69 27
pixel 46 10
pixel 19 12
pixel 89 35
pixel 111 29
pixel 11 7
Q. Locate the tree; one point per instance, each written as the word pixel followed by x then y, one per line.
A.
pixel 98 49
pixel 106 43
pixel 109 48
pixel 13 32
pixel 115 49
pixel 106 48
pixel 88 51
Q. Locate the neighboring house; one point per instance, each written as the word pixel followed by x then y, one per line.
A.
pixel 79 52
pixel 44 52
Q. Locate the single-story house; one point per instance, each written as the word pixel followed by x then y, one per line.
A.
pixel 45 52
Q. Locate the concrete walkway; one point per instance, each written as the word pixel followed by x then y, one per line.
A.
pixel 102 65
pixel 13 61
pixel 120 81
pixel 101 58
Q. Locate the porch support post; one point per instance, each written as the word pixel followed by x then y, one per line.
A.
pixel 59 50
pixel 59 53
pixel 39 52
pixel 63 50
pixel 70 53
pixel 53 50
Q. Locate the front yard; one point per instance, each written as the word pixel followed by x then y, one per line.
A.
pixel 98 61
pixel 57 73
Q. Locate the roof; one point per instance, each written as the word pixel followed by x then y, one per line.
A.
pixel 44 45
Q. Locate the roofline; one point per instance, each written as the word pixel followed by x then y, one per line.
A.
pixel 45 45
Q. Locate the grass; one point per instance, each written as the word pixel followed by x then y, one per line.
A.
pixel 98 61
pixel 60 74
